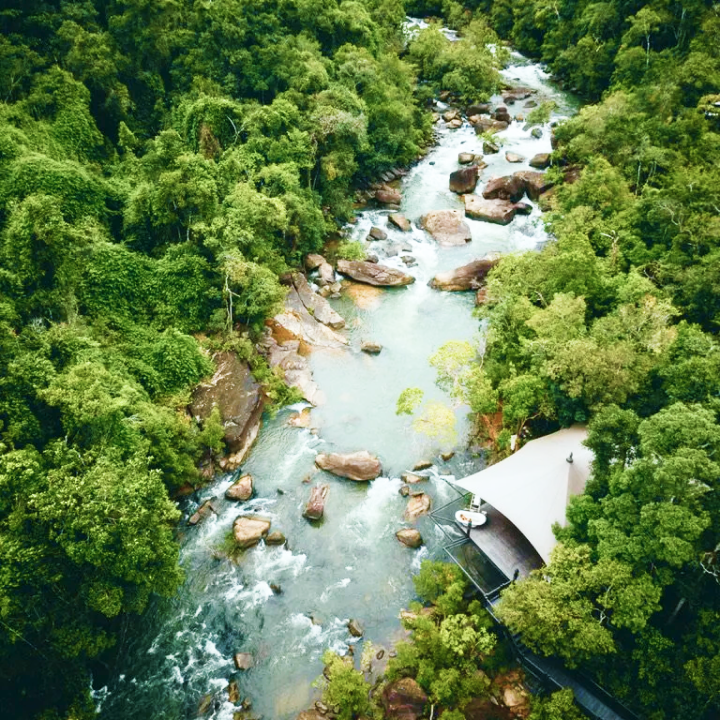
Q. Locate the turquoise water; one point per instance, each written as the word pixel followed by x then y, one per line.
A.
pixel 350 565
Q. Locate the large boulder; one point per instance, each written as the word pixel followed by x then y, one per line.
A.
pixel 317 306
pixel 541 161
pixel 464 180
pixel 500 212
pixel 249 530
pixel 296 323
pixel 467 277
pixel 315 506
pixel 447 227
pixel 400 222
pixel 388 196
pixel 326 274
pixel 418 505
pixel 477 109
pixel 313 261
pixel 510 187
pixel 239 398
pixel 359 465
pixel 241 489
pixel 536 183
pixel 409 537
pixel 374 273
pixel 295 367
pixel 404 699
pixel 502 115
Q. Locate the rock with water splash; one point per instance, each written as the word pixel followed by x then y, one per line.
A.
pixel 355 628
pixel 409 537
pixel 400 222
pixel 510 187
pixel 468 277
pixel 203 512
pixel 418 505
pixel 377 233
pixel 243 661
pixel 249 530
pixel 374 273
pixel 464 180
pixel 275 538
pixel 315 506
pixel 447 227
pixel 241 489
pixel 358 466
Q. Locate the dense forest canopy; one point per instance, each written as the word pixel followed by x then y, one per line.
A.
pixel 155 156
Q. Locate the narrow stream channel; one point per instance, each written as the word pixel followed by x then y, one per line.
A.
pixel 351 566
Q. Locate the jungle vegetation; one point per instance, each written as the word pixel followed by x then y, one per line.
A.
pixel 154 158
pixel 614 323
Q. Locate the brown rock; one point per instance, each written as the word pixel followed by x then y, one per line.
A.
pixel 275 538
pixel 238 397
pixel 512 157
pixel 464 180
pixel 404 490
pixel 314 261
pixel 241 489
pixel 388 196
pixel 502 114
pixel 467 277
pixel 447 455
pixel 358 466
pixel 477 109
pixel 410 537
pixel 327 274
pixel 316 504
pixel 310 715
pixel 500 212
pixel 510 187
pixel 536 183
pixel 243 661
pixel 377 233
pixel 233 692
pixel 374 273
pixel 248 530
pixel 465 158
pixel 455 124
pixel 447 227
pixel 423 465
pixel 490 148
pixel 450 115
pixel 355 628
pixel 400 222
pixel 418 505
pixel 412 478
pixel 371 348
pixel 404 700
pixel 540 161
pixel 300 419
pixel 203 512
pixel 316 305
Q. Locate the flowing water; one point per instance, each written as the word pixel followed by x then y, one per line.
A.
pixel 350 565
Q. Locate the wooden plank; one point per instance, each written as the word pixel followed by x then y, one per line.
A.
pixel 505 545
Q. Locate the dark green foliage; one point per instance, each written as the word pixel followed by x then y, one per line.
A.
pixel 161 164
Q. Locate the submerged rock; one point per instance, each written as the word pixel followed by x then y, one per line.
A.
pixel 275 538
pixel 447 227
pixel 490 148
pixel 315 506
pixel 241 489
pixel 371 348
pixel 374 273
pixel 203 512
pixel 410 537
pixel 358 466
pixel 248 530
pixel 468 277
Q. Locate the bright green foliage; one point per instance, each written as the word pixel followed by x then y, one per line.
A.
pixel 344 687
pixel 558 706
pixel 409 401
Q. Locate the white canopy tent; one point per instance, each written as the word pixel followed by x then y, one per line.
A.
pixel 532 487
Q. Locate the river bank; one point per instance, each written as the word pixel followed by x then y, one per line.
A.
pixel 350 566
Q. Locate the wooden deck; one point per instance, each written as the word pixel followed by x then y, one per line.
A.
pixel 505 545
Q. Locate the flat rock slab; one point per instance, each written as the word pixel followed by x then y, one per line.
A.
pixel 296 323
pixel 358 466
pixel 248 530
pixel 500 212
pixel 447 227
pixel 374 273
pixel 238 397
pixel 318 306
pixel 468 277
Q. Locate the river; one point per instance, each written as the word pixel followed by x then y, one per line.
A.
pixel 351 565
